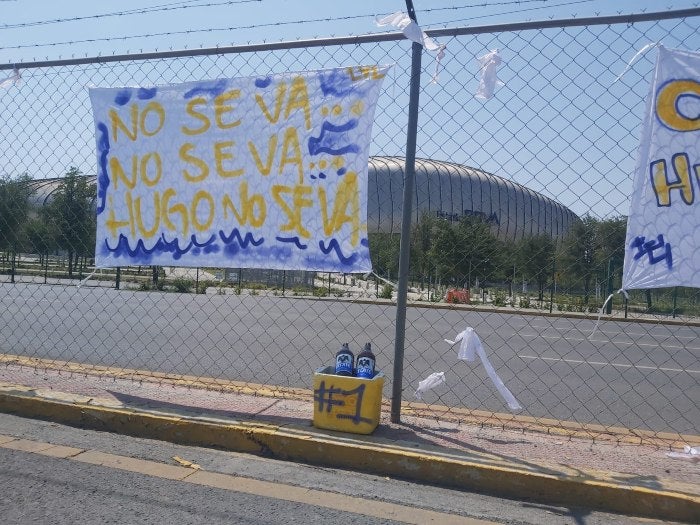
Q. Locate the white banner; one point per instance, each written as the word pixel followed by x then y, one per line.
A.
pixel 260 172
pixel 662 247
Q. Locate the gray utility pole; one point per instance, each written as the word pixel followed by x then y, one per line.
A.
pixel 405 248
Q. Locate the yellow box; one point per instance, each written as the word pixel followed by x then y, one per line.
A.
pixel 348 404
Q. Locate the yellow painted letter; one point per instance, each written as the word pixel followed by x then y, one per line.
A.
pixel 291 141
pixel 667 105
pixel 190 108
pixel 299 99
pixel 203 167
pixel 220 108
pixel 221 155
pixel 346 195
pixel 662 186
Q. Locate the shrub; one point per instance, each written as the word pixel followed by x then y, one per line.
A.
pixel 386 292
pixel 525 302
pixel 499 298
pixel 183 285
pixel 320 292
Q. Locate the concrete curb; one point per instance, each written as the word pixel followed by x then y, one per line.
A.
pixel 408 408
pixel 621 493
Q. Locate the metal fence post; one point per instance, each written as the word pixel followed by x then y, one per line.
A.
pixel 409 175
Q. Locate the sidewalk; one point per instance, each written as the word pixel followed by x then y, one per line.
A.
pixel 636 479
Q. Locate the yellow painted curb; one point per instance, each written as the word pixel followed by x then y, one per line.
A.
pixel 555 485
pixel 569 429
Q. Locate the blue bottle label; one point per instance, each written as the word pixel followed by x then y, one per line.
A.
pixel 343 364
pixel 365 367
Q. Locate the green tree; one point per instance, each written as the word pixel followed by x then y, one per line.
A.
pixel 421 243
pixel 40 235
pixel 610 244
pixel 535 256
pixel 384 251
pixel 14 210
pixel 444 250
pixel 578 253
pixel 465 251
pixel 72 212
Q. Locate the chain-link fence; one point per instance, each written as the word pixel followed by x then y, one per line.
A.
pixel 518 231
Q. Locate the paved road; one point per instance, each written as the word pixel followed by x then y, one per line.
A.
pixel 628 374
pixel 61 475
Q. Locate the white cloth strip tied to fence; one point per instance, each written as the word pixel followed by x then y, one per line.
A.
pixel 12 80
pixel 413 32
pixel 471 347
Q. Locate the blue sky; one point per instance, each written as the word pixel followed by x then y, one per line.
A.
pixel 251 21
pixel 559 126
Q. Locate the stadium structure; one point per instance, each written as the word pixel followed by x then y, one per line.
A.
pixel 442 189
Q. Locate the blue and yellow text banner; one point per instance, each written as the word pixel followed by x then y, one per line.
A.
pixel 663 229
pixel 260 172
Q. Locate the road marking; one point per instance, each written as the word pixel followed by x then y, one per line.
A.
pixel 267 489
pixel 634 343
pixel 603 363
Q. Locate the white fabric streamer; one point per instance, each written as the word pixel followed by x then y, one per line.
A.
pixel 386 281
pixel 88 277
pixel 691 453
pixel 639 53
pixel 489 75
pixel 469 348
pixel 602 309
pixel 413 32
pixel 11 80
pixel 433 380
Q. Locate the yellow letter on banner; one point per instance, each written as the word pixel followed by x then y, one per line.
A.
pixel 291 140
pixel 160 113
pixel 346 195
pixel 113 225
pixel 203 167
pixel 118 174
pixel 196 114
pixel 144 168
pixel 220 108
pixel 667 108
pixel 248 207
pixel 176 208
pixel 279 98
pixel 299 99
pixel 662 187
pixel 198 197
pixel 295 221
pixel 271 147
pixel 220 155
pixel 147 234
pixel 117 123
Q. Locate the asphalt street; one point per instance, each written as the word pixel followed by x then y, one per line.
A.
pixel 62 475
pixel 626 374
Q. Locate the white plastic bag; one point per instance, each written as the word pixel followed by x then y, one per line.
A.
pixel 489 75
pixel 430 382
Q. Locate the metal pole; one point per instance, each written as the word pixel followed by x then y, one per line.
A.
pixel 608 308
pixel 675 300
pixel 404 251
pixel 554 284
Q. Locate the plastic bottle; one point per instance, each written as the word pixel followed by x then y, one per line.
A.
pixel 366 362
pixel 344 360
